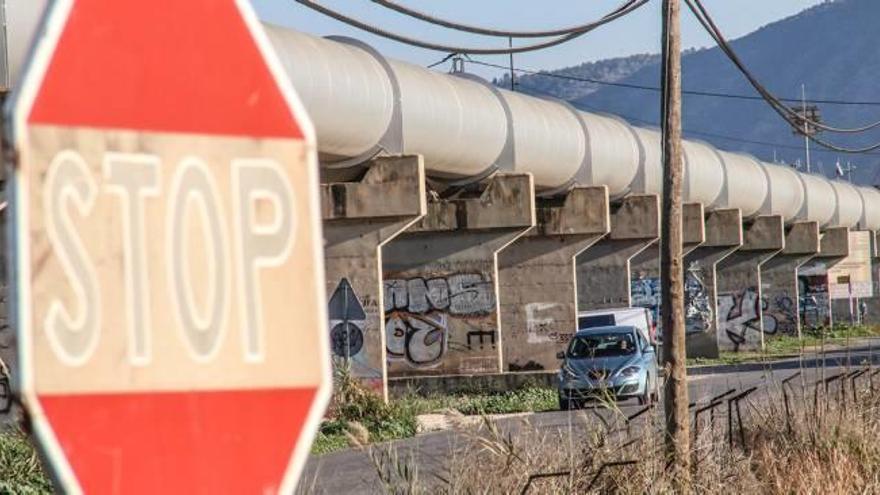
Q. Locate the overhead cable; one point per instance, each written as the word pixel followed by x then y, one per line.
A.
pixel 351 21
pixel 467 28
pixel 791 116
pixel 642 87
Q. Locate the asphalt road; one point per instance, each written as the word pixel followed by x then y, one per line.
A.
pixel 351 471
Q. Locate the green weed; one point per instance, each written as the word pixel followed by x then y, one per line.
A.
pixel 20 469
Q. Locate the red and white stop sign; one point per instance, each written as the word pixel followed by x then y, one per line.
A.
pixel 168 287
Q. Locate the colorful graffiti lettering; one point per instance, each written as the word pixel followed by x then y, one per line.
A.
pixel 697 306
pixel 418 311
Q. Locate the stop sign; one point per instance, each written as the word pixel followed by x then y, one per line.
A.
pixel 168 287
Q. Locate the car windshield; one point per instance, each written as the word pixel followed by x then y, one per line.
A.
pixel 602 345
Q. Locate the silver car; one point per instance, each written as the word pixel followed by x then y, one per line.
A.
pixel 616 362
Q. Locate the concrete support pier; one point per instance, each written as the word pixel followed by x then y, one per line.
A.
pixel 872 304
pixel 847 284
pixel 738 279
pixel 645 266
pixel 724 235
pixel 603 271
pixel 441 280
pixel 779 282
pixel 536 278
pixel 359 218
pixel 815 299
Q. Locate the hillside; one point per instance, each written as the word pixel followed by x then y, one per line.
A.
pixel 612 70
pixel 830 48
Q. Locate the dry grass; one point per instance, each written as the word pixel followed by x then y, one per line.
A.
pixel 827 443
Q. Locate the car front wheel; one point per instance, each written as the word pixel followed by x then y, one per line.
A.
pixel 649 397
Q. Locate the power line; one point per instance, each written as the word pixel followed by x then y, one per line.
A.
pixel 706 21
pixel 351 21
pixel 642 87
pixel 631 118
pixel 425 17
pixel 710 134
pixel 789 115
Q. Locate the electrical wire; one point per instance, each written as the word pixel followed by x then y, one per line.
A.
pixel 689 132
pixel 792 117
pixel 467 28
pixel 442 61
pixel 599 82
pixel 351 21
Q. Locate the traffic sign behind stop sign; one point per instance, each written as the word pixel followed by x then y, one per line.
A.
pixel 168 286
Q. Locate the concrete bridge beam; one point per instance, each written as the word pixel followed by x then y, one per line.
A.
pixel 779 281
pixel 872 304
pixel 441 280
pixel 603 271
pixel 738 279
pixel 723 236
pixel 645 266
pixel 536 278
pixel 358 219
pixel 813 286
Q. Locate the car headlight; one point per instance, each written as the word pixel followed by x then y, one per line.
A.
pixel 566 373
pixel 630 371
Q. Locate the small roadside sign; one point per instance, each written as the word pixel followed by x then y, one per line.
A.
pixel 344 303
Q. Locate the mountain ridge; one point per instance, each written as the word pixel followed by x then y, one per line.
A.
pixel 829 48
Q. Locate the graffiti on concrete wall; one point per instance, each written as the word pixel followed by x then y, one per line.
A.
pixel 697 306
pixel 645 293
pixel 739 318
pixel 780 315
pixel 418 339
pixel 814 302
pixel 419 312
pixel 541 324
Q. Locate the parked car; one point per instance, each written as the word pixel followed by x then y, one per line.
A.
pixel 613 361
pixel 637 317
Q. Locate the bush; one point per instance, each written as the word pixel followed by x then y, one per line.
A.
pixel 793 439
pixel 353 404
pixel 20 468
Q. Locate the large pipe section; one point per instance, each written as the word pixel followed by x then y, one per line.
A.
pixel 363 105
pixel 465 129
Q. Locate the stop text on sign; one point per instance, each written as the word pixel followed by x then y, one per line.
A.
pixel 261 205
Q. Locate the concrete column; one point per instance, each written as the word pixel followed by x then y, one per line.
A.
pixel 359 218
pixel 738 279
pixel 645 266
pixel 779 281
pixel 845 305
pixel 441 280
pixel 536 278
pixel 8 338
pixel 872 304
pixel 603 271
pixel 815 301
pixel 724 235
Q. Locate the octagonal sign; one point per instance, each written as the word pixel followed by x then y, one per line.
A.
pixel 168 269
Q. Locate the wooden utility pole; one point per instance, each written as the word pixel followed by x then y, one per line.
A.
pixel 671 262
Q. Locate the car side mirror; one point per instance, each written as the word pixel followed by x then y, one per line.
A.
pixel 651 348
pixel 560 355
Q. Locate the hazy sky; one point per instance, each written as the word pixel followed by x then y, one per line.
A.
pixel 636 33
